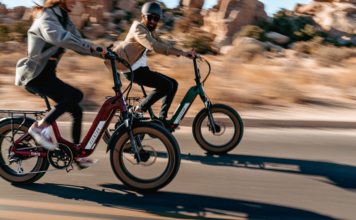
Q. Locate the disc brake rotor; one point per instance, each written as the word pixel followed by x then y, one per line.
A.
pixel 222 128
pixel 148 156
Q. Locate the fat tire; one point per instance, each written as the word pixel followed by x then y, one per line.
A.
pixel 42 163
pixel 239 126
pixel 172 147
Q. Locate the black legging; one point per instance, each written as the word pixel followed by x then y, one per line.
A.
pixel 165 86
pixel 66 97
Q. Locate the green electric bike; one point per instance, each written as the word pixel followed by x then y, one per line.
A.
pixel 217 128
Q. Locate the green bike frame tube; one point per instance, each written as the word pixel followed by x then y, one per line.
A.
pixel 184 106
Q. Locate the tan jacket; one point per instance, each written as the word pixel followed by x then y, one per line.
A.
pixel 137 40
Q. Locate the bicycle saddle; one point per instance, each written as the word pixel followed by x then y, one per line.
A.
pixel 32 92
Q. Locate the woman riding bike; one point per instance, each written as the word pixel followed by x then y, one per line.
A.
pixel 51 33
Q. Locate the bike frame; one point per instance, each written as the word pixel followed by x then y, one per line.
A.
pixel 93 136
pixel 97 129
pixel 187 101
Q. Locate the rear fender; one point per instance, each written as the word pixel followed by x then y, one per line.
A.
pixel 31 120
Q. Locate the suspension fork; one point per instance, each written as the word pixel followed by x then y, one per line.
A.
pixel 128 124
pixel 210 116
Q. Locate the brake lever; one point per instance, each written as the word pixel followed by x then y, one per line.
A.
pixel 111 46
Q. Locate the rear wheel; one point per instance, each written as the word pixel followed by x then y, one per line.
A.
pixel 17 172
pixel 229 129
pixel 160 158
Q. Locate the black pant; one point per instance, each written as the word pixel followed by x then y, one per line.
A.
pixel 165 87
pixel 66 97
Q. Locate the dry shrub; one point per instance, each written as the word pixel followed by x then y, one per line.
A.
pixel 335 54
pixel 181 26
pixel 21 27
pixel 246 52
pixel 4 33
pixel 200 41
pixel 251 31
pixel 192 18
pixel 308 47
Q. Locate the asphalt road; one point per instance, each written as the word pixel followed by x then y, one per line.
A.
pixel 273 174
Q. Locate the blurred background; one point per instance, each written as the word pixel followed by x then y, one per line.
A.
pixel 278 57
pixel 286 66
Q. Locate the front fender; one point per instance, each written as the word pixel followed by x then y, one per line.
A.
pixel 120 128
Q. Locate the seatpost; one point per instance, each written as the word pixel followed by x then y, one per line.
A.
pixel 144 92
pixel 47 103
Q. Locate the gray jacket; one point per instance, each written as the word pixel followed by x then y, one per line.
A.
pixel 45 37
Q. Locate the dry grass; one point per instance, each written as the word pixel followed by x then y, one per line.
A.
pixel 231 82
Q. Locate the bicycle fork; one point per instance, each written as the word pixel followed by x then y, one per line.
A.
pixel 210 116
pixel 134 141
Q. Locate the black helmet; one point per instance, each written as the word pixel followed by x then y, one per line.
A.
pixel 151 8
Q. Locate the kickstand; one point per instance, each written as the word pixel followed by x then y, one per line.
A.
pixel 70 169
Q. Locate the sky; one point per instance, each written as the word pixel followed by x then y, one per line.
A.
pixel 271 6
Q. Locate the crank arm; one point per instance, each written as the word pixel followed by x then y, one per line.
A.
pixel 28 148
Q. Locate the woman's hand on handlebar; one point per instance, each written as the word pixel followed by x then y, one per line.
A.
pixel 102 51
pixel 191 54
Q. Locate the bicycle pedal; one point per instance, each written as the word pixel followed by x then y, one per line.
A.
pixel 76 164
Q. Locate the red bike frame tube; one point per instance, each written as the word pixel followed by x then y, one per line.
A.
pixel 94 134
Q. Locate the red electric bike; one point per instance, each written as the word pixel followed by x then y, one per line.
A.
pixel 134 161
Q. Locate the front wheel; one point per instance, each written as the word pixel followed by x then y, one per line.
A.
pixel 228 125
pixel 160 158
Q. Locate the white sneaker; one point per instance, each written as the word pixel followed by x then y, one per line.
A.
pixel 86 162
pixel 42 136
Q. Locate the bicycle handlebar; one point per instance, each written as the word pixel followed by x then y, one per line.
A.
pixel 197 73
pixel 113 56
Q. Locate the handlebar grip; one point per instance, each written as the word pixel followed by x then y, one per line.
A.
pixel 99 49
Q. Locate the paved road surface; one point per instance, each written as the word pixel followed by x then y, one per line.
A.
pixel 273 174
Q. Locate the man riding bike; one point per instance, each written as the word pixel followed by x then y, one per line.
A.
pixel 51 33
pixel 141 38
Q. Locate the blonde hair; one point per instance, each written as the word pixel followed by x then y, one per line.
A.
pixel 47 4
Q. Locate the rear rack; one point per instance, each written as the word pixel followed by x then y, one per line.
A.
pixel 24 113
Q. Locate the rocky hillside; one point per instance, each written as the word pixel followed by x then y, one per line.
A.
pixel 217 30
pixel 110 19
